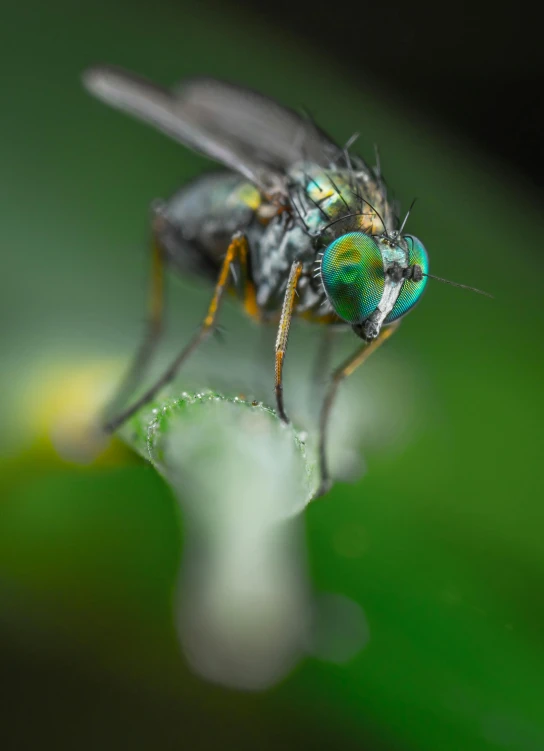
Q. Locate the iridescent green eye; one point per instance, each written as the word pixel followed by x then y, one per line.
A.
pixel 411 291
pixel 353 276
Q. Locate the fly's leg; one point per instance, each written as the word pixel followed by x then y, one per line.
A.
pixel 283 333
pixel 343 371
pixel 237 248
pixel 321 362
pixel 154 328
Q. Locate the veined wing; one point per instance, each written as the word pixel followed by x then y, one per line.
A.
pixel 244 130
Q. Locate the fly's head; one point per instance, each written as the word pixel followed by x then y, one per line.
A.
pixel 373 280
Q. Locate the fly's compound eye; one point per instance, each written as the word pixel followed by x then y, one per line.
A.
pixel 411 290
pixel 353 276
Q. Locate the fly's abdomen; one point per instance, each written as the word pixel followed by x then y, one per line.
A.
pixel 196 225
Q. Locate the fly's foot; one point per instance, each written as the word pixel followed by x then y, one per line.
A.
pixel 279 405
pixel 324 486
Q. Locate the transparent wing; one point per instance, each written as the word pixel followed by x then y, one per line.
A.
pixel 242 129
pixel 254 124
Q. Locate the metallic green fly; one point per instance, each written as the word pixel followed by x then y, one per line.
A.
pixel 297 226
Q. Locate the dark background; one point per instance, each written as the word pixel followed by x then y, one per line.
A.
pixel 477 67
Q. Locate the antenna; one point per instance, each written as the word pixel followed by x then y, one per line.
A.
pixel 412 270
pixel 456 284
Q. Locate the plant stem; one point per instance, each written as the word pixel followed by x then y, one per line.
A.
pixel 242 478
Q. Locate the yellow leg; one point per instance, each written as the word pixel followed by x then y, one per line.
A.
pixel 237 247
pixel 283 333
pixel 342 372
pixel 250 295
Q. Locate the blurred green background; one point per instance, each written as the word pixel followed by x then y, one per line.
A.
pixel 440 542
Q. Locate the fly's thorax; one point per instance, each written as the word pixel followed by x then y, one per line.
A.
pixel 337 201
pixel 281 243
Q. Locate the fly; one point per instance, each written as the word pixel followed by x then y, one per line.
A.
pixel 297 225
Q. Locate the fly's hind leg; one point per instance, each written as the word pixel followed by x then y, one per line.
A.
pixel 238 249
pixel 342 372
pixel 154 324
pixel 283 333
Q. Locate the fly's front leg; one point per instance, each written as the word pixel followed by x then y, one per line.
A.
pixel 342 372
pixel 237 248
pixel 283 333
